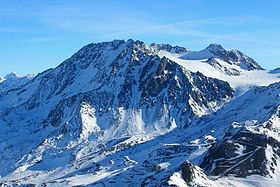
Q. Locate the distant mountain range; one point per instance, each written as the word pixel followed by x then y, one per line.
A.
pixel 125 113
pixel 13 80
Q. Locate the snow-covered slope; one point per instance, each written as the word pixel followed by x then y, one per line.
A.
pixel 232 57
pixel 124 113
pixel 12 81
pixel 249 127
pixel 240 79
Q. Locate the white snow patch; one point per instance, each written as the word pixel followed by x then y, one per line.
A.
pixel 177 180
pixel 246 80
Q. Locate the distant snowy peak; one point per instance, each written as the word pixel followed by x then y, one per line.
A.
pixel 14 75
pixel 232 57
pixel 276 70
pixel 215 47
pixel 13 80
pixel 11 75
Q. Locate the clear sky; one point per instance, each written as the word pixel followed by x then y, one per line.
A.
pixel 36 35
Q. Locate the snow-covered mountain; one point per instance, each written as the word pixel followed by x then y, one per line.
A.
pixel 232 57
pixel 126 113
pixel 276 70
pixel 12 81
pixel 232 66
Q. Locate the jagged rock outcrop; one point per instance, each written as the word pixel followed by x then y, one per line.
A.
pixel 190 175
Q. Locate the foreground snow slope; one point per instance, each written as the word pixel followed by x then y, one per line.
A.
pixel 250 127
pixel 124 113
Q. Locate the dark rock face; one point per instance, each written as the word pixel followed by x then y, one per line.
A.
pixel 169 48
pixel 242 154
pixel 188 171
pixel 194 176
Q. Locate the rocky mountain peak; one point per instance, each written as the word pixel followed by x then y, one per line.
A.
pixel 215 47
pixel 169 48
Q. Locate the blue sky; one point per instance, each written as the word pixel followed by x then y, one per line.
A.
pixel 36 35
